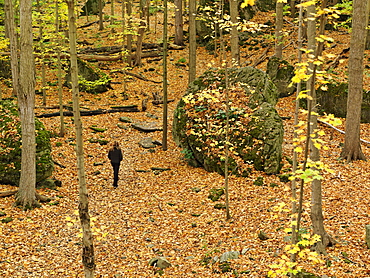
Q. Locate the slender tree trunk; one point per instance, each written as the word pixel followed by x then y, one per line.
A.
pixel 165 32
pixel 88 259
pixel 279 30
pixel 112 14
pixel 295 156
pixel 179 31
pixel 13 38
pixel 192 41
pixel 352 147
pixel 227 128
pixel 140 36
pixel 59 71
pixel 234 42
pixel 26 196
pixel 292 8
pixel 316 188
pixel 42 50
pixel 101 25
pixel 129 28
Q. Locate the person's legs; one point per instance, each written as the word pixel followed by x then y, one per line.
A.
pixel 115 174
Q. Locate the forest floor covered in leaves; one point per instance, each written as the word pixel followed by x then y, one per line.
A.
pixel 168 213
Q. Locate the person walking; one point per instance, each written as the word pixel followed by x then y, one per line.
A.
pixel 115 157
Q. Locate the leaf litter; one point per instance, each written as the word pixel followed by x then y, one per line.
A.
pixel 155 214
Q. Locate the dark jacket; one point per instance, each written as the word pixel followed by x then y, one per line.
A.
pixel 115 155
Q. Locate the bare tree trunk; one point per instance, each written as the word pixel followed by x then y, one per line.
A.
pixel 295 219
pixel 316 190
pixel 43 66
pixel 59 72
pixel 179 31
pixel 13 38
pixel 292 8
pixel 26 102
pixel 165 32
pixel 352 147
pixel 88 259
pixel 139 43
pixel 278 30
pixel 234 43
pixel 140 36
pixel 101 26
pixel 192 41
pixel 129 36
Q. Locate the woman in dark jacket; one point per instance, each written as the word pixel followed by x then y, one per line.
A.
pixel 115 157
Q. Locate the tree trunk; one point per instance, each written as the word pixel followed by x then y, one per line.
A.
pixel 101 26
pixel 234 43
pixel 88 259
pixel 316 190
pixel 140 36
pixel 179 32
pixel 59 72
pixel 192 41
pixel 352 147
pixel 13 38
pixel 26 102
pixel 165 32
pixel 129 36
pixel 278 31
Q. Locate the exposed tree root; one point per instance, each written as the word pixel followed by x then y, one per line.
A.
pixel 38 196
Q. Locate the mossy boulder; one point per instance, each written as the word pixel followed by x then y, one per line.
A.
pixel 90 79
pixel 255 129
pixel 334 101
pixel 281 73
pixel 91 7
pixel 10 146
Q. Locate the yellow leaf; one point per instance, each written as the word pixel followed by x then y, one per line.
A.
pixel 246 3
pixel 298 149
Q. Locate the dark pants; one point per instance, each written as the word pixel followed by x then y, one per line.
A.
pixel 115 174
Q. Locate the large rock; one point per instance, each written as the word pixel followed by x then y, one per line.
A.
pixel 90 78
pixel 281 73
pixel 334 101
pixel 255 131
pixel 10 147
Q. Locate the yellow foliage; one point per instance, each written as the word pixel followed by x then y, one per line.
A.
pixel 246 3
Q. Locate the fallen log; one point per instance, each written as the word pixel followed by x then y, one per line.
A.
pixel 157 102
pixel 137 76
pixel 130 108
pixel 340 56
pixel 117 49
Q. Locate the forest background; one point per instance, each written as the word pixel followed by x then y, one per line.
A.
pixel 168 213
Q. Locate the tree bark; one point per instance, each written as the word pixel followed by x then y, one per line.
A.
pixel 179 31
pixel 316 187
pixel 352 147
pixel 26 102
pixel 234 42
pixel 192 41
pixel 165 107
pixel 278 30
pixel 88 258
pixel 13 38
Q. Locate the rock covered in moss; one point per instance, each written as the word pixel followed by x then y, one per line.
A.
pixel 255 129
pixel 90 79
pixel 10 146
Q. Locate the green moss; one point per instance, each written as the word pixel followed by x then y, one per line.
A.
pixel 10 146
